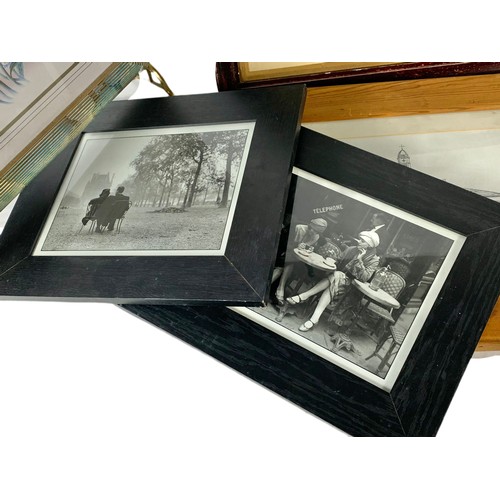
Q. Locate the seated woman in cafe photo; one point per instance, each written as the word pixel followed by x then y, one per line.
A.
pixel 306 235
pixel 356 262
pixel 333 243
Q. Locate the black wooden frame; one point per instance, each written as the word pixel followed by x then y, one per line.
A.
pixel 417 402
pixel 241 276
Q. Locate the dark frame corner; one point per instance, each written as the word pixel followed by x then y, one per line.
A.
pixel 417 402
pixel 241 275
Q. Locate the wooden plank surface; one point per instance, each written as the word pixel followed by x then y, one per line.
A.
pixel 410 97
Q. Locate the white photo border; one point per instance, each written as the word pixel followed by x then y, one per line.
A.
pixel 387 382
pixel 153 131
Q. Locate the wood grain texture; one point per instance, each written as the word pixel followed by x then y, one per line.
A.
pixel 241 275
pixel 261 71
pixel 443 95
pixel 396 185
pixel 395 90
pixel 398 98
pixel 408 189
pixel 468 93
pixel 299 376
pixel 449 336
pixel 424 388
pixel 230 77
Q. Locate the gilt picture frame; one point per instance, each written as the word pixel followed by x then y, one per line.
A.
pixel 416 400
pixel 191 178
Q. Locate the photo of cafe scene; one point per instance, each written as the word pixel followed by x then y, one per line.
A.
pixel 353 274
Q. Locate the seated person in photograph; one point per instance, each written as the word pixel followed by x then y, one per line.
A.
pixel 121 205
pixel 113 208
pixel 304 235
pixel 119 196
pixel 94 204
pixel 378 223
pixel 356 262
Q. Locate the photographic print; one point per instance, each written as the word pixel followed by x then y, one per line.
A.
pixel 383 283
pixel 355 278
pixel 459 148
pixel 177 191
pixel 162 191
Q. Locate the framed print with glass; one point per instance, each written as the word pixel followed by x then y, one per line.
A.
pixel 383 283
pixel 326 296
pixel 150 166
pixel 439 117
pixel 160 200
pixel 44 106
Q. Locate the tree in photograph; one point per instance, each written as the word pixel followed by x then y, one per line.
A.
pixel 143 184
pixel 213 178
pixel 219 180
pixel 231 145
pixel 187 177
pixel 158 165
pixel 187 160
pixel 196 147
pixel 144 165
pixel 195 153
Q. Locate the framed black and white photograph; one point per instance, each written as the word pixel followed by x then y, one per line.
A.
pixel 442 123
pixel 384 281
pixel 162 200
pixel 357 280
pixel 173 188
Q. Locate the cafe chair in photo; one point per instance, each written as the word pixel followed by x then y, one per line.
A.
pixel 399 265
pixel 121 209
pixel 394 340
pixel 89 218
pixel 384 316
pixel 116 216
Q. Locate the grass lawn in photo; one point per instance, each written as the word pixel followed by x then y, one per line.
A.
pixel 198 228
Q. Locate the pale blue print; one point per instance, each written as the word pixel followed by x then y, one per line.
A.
pixel 11 77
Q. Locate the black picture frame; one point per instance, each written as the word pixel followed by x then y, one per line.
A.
pixel 239 276
pixel 418 400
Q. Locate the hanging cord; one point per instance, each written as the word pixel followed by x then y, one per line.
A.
pixel 156 79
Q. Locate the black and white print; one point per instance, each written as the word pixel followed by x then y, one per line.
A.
pixel 155 191
pixel 459 148
pixel 355 278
